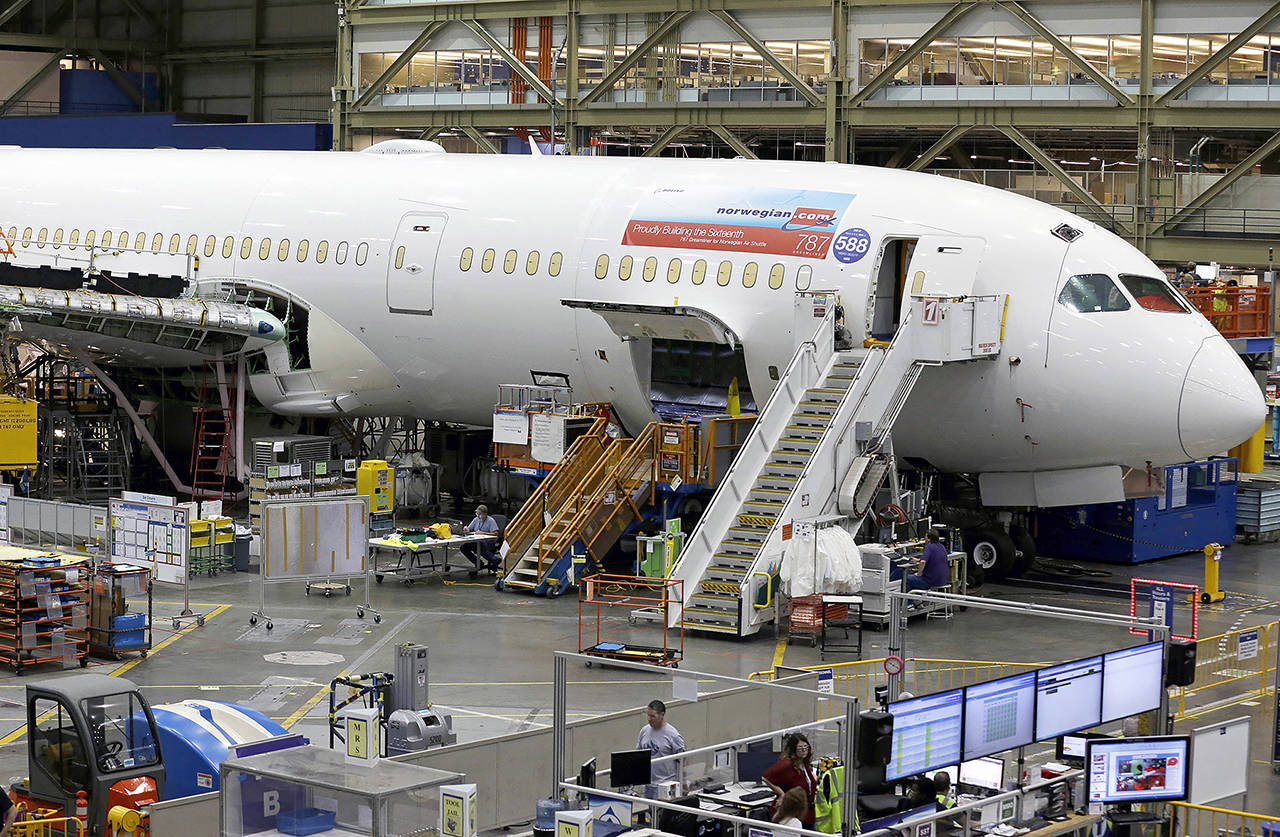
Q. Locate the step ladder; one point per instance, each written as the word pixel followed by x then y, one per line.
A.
pixel 820 446
pixel 212 458
pixel 608 498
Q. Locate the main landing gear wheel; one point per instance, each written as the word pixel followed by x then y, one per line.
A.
pixel 991 550
pixel 1025 548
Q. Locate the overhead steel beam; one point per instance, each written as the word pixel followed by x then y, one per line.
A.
pixel 664 139
pixel 1213 61
pixel 730 139
pixel 431 133
pixel 247 52
pixel 21 40
pixel 767 54
pixel 480 139
pixel 1051 165
pixel 946 141
pixel 122 81
pixel 606 84
pixel 13 9
pixel 397 65
pixel 1242 168
pixel 145 13
pixel 517 66
pixel 1098 77
pixel 28 85
pixel 886 75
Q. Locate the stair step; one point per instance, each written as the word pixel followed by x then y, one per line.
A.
pixel 707 611
pixel 712 594
pixel 819 405
pixel 735 571
pixel 524 585
pixel 783 492
pixel 746 544
pixel 708 626
pixel 723 559
pixel 823 417
pixel 795 440
pixel 806 428
pixel 756 520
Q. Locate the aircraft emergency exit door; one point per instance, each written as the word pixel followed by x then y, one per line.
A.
pixel 412 268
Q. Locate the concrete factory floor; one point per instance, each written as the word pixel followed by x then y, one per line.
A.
pixel 491 652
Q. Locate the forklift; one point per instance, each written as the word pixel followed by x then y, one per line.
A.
pixel 91 739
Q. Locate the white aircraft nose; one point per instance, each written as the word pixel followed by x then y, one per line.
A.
pixel 1221 403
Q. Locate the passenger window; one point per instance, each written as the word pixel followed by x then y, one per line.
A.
pixel 486 260
pixel 724 273
pixel 303 247
pixel 175 243
pixel 362 253
pixel 282 252
pixel 341 256
pixel 399 257
pixel 193 244
pixel 13 234
pixel 44 236
pixel 106 238
pixel 673 271
pixel 509 262
pixel 553 266
pixel 749 275
pixel 89 237
pixel 699 271
pixel 264 249
pixel 322 252
pixel 228 246
pixel 531 263
pixel 1092 293
pixel 624 267
pixel 246 247
pixel 602 267
pixel 775 276
pixel 139 244
pixel 210 246
pixel 650 269
pixel 804 277
pixel 157 242
pixel 464 261
pixel 74 239
pixel 26 237
pixel 1154 294
pixel 57 238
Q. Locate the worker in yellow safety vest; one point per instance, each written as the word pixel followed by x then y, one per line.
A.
pixel 942 786
pixel 828 799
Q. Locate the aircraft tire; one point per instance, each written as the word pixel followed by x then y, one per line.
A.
pixel 1025 546
pixel 991 549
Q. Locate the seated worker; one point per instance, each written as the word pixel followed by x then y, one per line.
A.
pixel 931 570
pixel 942 784
pixel 482 522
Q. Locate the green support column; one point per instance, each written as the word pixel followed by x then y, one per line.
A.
pixel 344 90
pixel 571 24
pixel 1142 225
pixel 838 147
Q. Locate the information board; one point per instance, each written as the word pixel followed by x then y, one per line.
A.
pixel 548 438
pixel 1219 761
pixel 510 427
pixel 315 539
pixel 151 535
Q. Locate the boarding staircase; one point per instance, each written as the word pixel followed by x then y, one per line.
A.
pixel 820 446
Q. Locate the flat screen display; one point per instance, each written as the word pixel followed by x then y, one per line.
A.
pixel 1068 697
pixel 999 715
pixel 987 774
pixel 1132 680
pixel 1124 770
pixel 926 733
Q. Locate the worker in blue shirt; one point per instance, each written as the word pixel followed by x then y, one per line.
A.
pixel 932 569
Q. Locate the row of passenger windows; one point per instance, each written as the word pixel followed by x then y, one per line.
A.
pixel 626 267
pixel 283 250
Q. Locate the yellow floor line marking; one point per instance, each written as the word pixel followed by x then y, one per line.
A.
pixel 128 664
pixel 192 604
pixel 779 650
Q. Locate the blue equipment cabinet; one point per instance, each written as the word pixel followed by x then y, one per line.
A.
pixel 1196 505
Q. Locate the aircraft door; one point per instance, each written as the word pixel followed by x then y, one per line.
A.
pixel 944 265
pixel 412 266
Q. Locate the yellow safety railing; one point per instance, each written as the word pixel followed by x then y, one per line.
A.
pixel 1202 821
pixel 42 823
pixel 1245 668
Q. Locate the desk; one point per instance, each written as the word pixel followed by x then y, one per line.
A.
pixel 732 797
pixel 832 602
pixel 1072 824
pixel 414 560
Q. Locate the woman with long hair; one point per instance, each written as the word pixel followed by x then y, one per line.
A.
pixel 794 770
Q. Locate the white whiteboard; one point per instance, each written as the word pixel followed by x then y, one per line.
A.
pixel 315 539
pixel 155 536
pixel 1219 761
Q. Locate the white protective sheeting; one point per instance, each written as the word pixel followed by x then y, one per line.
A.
pixel 821 561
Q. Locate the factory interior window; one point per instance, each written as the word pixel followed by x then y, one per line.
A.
pixel 1154 294
pixel 1091 293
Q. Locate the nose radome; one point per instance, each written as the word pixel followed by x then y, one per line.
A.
pixel 1221 404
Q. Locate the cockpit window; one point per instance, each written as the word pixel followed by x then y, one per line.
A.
pixel 1090 293
pixel 1153 294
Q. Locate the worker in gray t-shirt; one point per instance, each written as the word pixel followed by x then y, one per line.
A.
pixel 661 739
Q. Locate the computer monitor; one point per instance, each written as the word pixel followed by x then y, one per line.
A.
pixel 1132 681
pixel 753 763
pixel 926 733
pixel 985 773
pixel 1152 769
pixel 630 767
pixel 587 773
pixel 1070 747
pixel 1068 697
pixel 999 715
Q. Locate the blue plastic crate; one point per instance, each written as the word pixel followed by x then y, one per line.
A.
pixel 305 821
pixel 127 640
pixel 129 622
